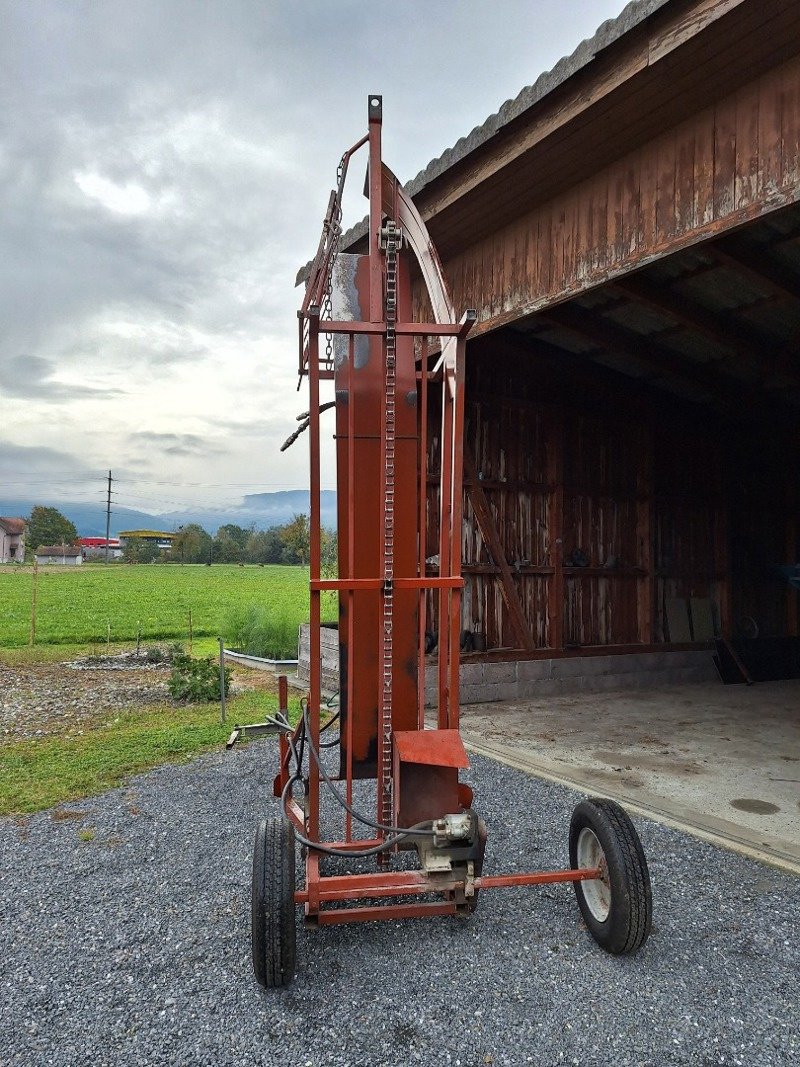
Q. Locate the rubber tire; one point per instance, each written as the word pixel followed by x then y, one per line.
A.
pixel 627 926
pixel 273 930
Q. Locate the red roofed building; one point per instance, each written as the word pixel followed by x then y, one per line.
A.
pixel 12 540
pixel 95 547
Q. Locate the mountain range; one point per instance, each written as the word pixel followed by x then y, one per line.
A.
pixel 260 510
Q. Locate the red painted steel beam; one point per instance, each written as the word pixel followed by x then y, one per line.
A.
pixel 501 881
pixel 413 883
pixel 377 583
pixel 407 329
pixel 385 911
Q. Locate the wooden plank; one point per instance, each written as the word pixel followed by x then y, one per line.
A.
pixel 703 180
pixel 617 212
pixel 631 208
pixel 665 188
pixel 644 536
pixel 575 100
pixel 723 645
pixel 485 520
pixel 769 132
pixel 684 177
pixel 724 157
pixel 689 24
pixel 678 621
pixel 702 618
pixel 790 125
pixel 746 163
pixel 766 36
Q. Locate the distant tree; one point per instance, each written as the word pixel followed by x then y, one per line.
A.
pixel 238 534
pixel 192 544
pixel 47 526
pixel 295 536
pixel 226 548
pixel 264 546
pixel 140 550
pixel 329 553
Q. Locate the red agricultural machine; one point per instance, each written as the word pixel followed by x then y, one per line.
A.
pixel 399 389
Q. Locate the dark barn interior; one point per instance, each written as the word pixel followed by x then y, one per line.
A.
pixel 634 450
pixel 628 230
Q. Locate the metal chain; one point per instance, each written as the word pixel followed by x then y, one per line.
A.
pixel 390 242
pixel 335 234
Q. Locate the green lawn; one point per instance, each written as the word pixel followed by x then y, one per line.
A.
pixel 40 774
pixel 80 604
pixel 75 609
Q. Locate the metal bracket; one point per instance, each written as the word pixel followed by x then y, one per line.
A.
pixel 256 729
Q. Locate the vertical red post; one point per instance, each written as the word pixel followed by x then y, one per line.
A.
pixel 314 564
pixel 423 523
pixel 457 476
pixel 446 650
pixel 351 474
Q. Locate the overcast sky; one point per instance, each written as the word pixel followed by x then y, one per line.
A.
pixel 164 170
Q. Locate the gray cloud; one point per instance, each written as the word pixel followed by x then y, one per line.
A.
pixel 176 444
pixel 164 169
pixel 31 377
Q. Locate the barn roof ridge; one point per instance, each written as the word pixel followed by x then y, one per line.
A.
pixel 606 34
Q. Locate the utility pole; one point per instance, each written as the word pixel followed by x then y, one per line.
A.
pixel 108 514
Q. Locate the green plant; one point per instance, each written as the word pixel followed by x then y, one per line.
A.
pixel 259 630
pixel 87 835
pixel 196 681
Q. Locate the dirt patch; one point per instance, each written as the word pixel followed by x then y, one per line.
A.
pixel 67 698
pixel 58 699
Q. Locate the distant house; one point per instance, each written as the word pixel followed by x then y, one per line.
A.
pixel 95 547
pixel 66 555
pixel 12 540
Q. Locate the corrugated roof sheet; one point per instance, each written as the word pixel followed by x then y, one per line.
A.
pixel 632 15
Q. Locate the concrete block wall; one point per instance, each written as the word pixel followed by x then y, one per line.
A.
pixel 484 681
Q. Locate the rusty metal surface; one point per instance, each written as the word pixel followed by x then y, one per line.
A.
pixel 442 748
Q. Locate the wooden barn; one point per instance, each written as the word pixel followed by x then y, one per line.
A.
pixel 628 229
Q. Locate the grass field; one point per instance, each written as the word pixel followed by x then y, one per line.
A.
pixel 77 608
pixel 42 773
pixel 80 604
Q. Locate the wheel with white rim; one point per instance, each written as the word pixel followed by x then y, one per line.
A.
pixel 616 906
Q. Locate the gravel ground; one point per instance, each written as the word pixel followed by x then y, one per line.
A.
pixel 124 939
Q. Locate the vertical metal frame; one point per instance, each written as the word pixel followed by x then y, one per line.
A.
pixel 386 198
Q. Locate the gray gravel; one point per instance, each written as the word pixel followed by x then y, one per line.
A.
pixel 133 947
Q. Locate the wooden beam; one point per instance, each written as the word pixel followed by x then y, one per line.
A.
pixel 686 313
pixel 576 98
pixel 716 386
pixel 485 520
pixel 757 267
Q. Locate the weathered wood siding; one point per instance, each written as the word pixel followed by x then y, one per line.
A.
pixel 654 509
pixel 733 161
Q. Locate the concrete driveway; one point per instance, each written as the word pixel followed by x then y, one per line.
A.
pixel 722 762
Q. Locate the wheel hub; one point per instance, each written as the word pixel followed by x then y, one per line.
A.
pixel 596 891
